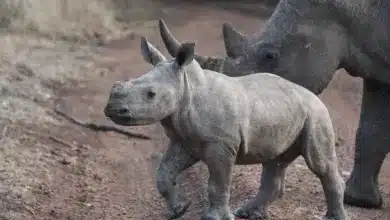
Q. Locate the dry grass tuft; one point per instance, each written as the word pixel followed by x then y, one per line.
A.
pixel 69 19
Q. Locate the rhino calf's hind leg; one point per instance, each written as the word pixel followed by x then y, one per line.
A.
pixel 333 186
pixel 320 156
pixel 174 161
pixel 372 146
pixel 271 186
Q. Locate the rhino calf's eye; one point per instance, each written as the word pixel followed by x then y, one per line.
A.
pixel 150 94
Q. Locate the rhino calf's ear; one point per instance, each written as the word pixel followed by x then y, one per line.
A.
pixel 186 54
pixel 150 53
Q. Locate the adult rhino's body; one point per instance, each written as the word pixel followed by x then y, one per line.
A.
pixel 305 41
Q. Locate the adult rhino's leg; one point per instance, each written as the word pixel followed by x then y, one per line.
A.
pixel 174 161
pixel 219 159
pixel 372 145
pixel 271 186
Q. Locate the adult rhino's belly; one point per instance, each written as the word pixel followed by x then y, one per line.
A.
pixel 249 159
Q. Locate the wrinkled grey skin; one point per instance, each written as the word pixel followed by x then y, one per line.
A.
pixel 305 41
pixel 223 121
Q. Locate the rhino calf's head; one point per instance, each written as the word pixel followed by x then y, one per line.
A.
pixel 154 95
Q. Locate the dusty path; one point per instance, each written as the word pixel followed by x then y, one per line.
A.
pixel 110 176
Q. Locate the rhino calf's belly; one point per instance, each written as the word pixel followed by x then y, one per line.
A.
pixel 263 153
pixel 260 157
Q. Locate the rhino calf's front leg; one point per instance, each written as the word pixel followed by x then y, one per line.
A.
pixel 220 161
pixel 174 161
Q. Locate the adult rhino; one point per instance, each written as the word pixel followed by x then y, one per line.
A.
pixel 306 41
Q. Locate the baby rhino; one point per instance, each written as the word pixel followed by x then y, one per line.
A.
pixel 223 121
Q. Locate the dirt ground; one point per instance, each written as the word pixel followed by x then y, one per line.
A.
pixel 52 168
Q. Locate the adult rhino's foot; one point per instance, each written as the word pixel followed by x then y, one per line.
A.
pixel 251 214
pixel 354 197
pixel 178 210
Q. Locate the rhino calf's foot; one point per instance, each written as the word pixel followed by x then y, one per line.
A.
pixel 218 216
pixel 251 214
pixel 178 210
